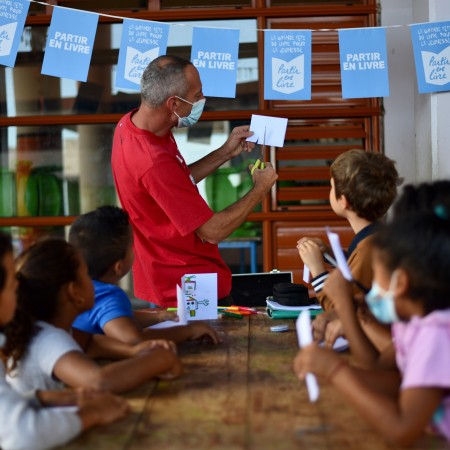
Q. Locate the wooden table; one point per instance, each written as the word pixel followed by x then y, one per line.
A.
pixel 241 394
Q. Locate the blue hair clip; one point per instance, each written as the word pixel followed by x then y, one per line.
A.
pixel 440 211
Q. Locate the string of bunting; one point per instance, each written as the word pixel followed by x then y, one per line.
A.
pixel 214 51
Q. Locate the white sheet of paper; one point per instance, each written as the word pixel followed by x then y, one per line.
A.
pixel 304 334
pixel 166 324
pixel 339 345
pixel 275 130
pixel 200 296
pixel 279 307
pixel 181 307
pixel 339 255
pixel 306 274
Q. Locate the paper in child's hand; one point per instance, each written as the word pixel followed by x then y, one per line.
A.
pixel 306 274
pixel 341 260
pixel 304 334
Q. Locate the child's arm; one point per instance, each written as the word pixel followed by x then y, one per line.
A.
pixel 25 426
pixel 310 252
pixel 123 334
pixel 102 346
pixel 151 316
pixel 77 370
pixel 181 333
pixel 100 408
pixel 341 293
pixel 401 421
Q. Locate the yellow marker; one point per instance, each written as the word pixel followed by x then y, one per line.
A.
pixel 259 164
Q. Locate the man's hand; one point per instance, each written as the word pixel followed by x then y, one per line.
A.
pixel 237 143
pixel 264 178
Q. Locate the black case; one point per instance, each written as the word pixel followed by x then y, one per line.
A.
pixel 252 289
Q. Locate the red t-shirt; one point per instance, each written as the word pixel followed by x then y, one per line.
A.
pixel 157 190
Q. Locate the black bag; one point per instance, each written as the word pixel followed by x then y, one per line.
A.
pixel 291 294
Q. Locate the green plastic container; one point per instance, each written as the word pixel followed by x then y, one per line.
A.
pixel 224 187
pixel 7 192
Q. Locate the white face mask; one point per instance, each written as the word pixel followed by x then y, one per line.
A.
pixel 196 112
pixel 381 302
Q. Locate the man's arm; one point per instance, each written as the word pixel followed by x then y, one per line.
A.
pixel 223 223
pixel 235 144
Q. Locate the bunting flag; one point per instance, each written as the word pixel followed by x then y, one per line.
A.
pixel 431 44
pixel 142 42
pixel 69 44
pixel 364 68
pixel 287 65
pixel 214 52
pixel 12 20
pixel 215 55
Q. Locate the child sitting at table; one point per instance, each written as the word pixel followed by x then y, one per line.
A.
pixel 54 287
pixel 105 239
pixel 411 291
pixel 424 197
pixel 31 422
pixel 363 187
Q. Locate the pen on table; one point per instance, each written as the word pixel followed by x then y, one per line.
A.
pixel 231 314
pixel 219 308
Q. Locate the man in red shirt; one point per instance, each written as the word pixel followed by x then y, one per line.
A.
pixel 175 231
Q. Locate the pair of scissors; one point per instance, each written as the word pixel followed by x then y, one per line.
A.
pixel 260 161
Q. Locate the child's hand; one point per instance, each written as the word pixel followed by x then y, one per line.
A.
pixel 333 330
pixel 163 343
pixel 339 290
pixel 318 241
pixel 66 397
pixel 320 323
pixel 311 254
pixel 201 330
pixel 175 371
pixel 101 408
pixel 150 345
pixel 316 360
pixel 169 315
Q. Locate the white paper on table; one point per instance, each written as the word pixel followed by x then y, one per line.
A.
pixel 181 312
pixel 268 130
pixel 341 260
pixel 339 345
pixel 304 334
pixel 166 324
pixel 279 307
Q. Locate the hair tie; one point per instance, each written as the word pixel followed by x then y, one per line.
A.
pixel 441 212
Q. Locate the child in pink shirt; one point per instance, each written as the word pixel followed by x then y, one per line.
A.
pixel 408 391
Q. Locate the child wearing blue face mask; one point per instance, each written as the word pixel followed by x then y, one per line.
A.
pixel 407 392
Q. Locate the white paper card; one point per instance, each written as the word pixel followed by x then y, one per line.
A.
pixel 304 334
pixel 341 260
pixel 306 274
pixel 268 130
pixel 200 296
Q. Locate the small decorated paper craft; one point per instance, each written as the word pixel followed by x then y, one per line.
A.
pixel 200 295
